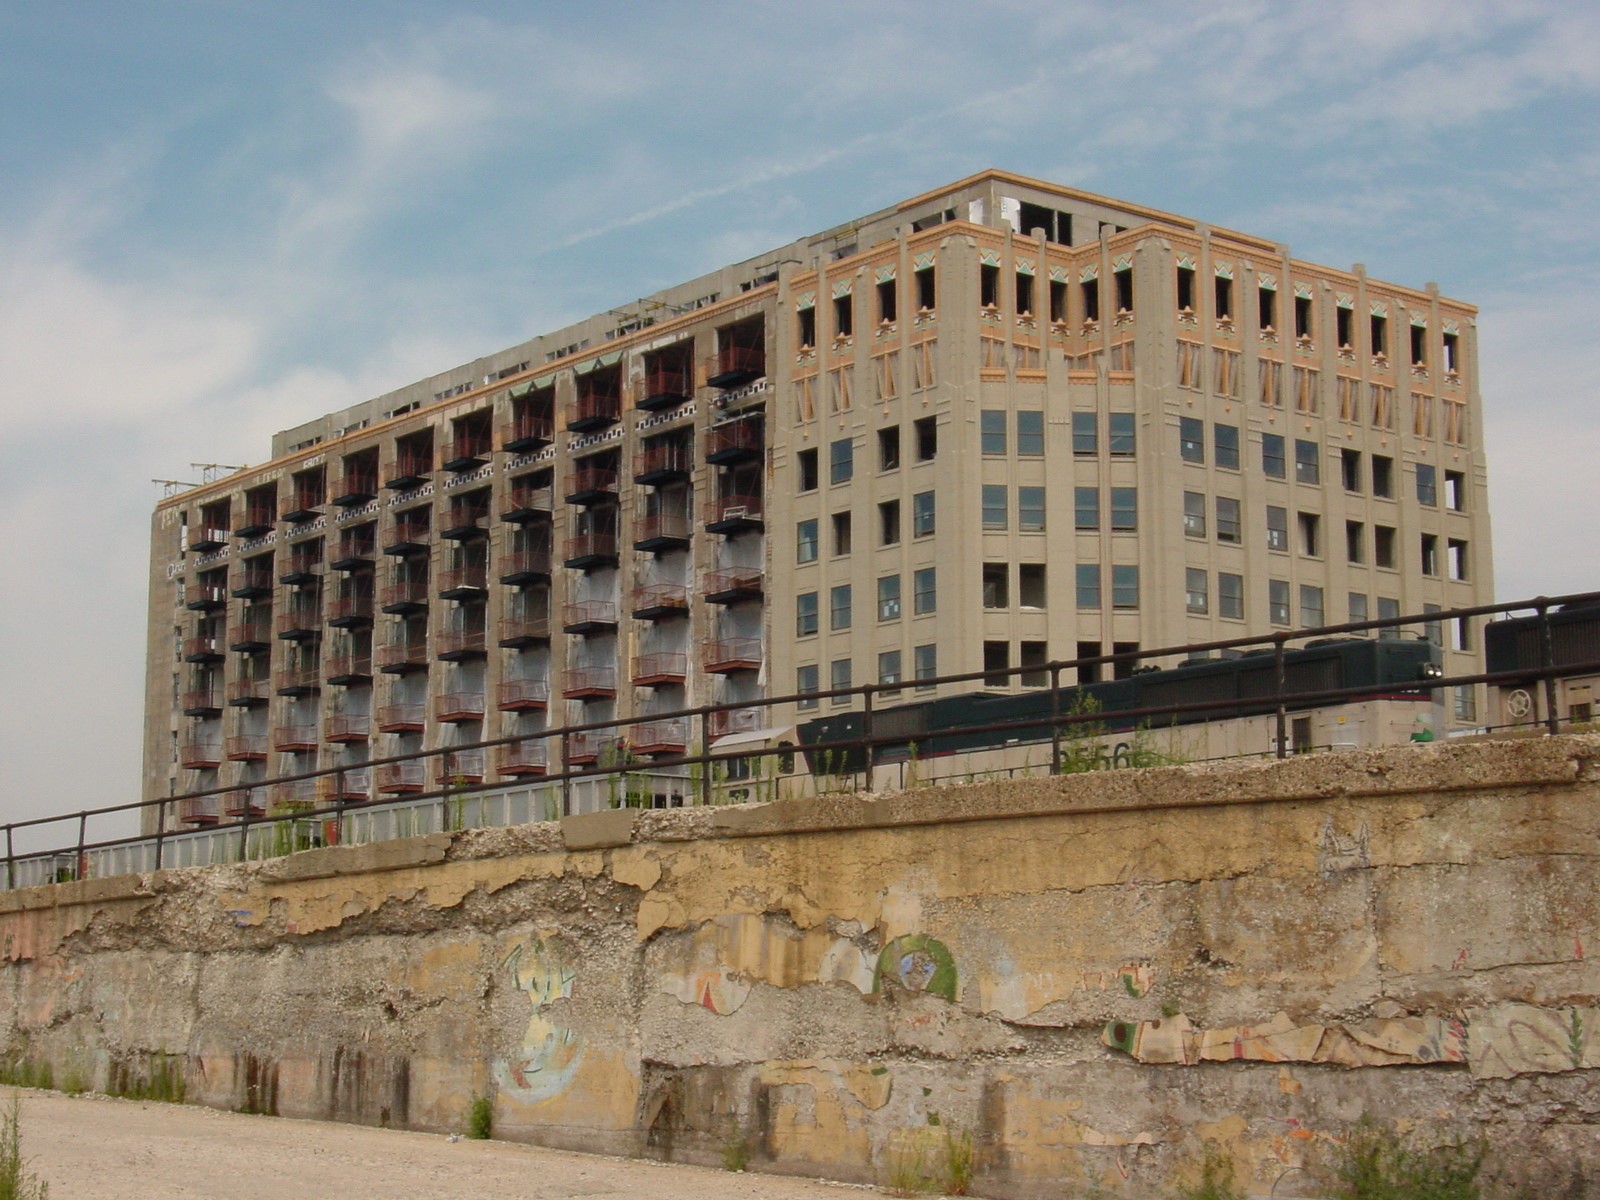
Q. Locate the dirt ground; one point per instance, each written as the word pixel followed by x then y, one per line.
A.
pixel 97 1148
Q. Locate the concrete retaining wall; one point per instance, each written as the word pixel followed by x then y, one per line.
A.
pixel 1094 976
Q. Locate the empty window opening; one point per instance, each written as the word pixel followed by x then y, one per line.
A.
pixel 841 534
pixel 1224 298
pixel 1379 336
pixel 1031 591
pixel 1123 280
pixel 889 523
pixel 1455 491
pixel 1088 672
pixel 1310 535
pixel 1267 306
pixel 927 432
pixel 1302 316
pixel 1185 289
pixel 1383 476
pixel 1058 301
pixel 1024 294
pixel 1355 543
pixel 1383 539
pixel 806 325
pixel 1126 663
pixel 997 659
pixel 806 461
pixel 889 448
pixel 1419 346
pixel 1457 551
pixel 887 297
pixel 1350 469
pixel 989 286
pixel 927 289
pixel 996 585
pixel 843 315
pixel 1034 655
pixel 1091 300
pixel 1055 226
pixel 1452 353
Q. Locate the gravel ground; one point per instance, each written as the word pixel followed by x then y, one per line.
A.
pixel 97 1148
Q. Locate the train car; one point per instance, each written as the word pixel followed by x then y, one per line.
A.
pixel 1516 645
pixel 1130 721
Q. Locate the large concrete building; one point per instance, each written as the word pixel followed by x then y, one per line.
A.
pixel 997 424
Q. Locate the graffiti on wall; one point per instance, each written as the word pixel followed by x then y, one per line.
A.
pixel 544 1063
pixel 1375 1043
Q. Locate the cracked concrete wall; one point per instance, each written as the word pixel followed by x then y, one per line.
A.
pixel 1094 975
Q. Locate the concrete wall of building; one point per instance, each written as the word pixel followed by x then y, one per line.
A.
pixel 1095 976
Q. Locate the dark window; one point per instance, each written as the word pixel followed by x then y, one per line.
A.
pixel 1380 335
pixel 1350 469
pixel 889 448
pixel 922 514
pixel 1086 508
pixel 927 438
pixel 1355 543
pixel 1194 514
pixel 841 533
pixel 1343 318
pixel 1192 439
pixel 1030 434
pixel 1185 289
pixel 1224 297
pixel 1031 585
pixel 1088 587
pixel 992 431
pixel 805 541
pixel 1230 596
pixel 925 591
pixel 1085 433
pixel 989 286
pixel 840 607
pixel 889 523
pixel 1024 294
pixel 1310 535
pixel 1419 346
pixel 1091 299
pixel 1427 485
pixel 841 461
pixel 1307 462
pixel 1124 508
pixel 806 324
pixel 1030 509
pixel 805 614
pixel 1123 280
pixel 807 460
pixel 1383 476
pixel 1383 538
pixel 1122 437
pixel 1225 439
pixel 927 289
pixel 886 302
pixel 1267 307
pixel 1302 316
pixel 1124 587
pixel 996 585
pixel 1035 655
pixel 1272 460
pixel 1228 520
pixel 997 658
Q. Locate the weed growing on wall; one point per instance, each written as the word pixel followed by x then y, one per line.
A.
pixel 1375 1163
pixel 1214 1179
pixel 480 1119
pixel 735 1151
pixel 16 1181
pixel 908 1173
pixel 960 1157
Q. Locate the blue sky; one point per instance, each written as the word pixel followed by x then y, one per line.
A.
pixel 220 219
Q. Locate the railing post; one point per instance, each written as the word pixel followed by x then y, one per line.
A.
pixel 83 836
pixel 705 767
pixel 244 831
pixel 1282 673
pixel 1055 718
pixel 161 829
pixel 566 773
pixel 866 736
pixel 1547 662
pixel 11 860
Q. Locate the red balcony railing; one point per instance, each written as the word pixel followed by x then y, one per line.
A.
pixel 410 533
pixel 664 387
pixel 734 365
pixel 587 616
pixel 735 510
pixel 401 777
pixel 245 692
pixel 457 581
pixel 401 718
pixel 357 487
pixel 245 802
pixel 254 578
pixel 295 795
pixel 589 547
pixel 670 736
pixel 200 811
pixel 410 467
pixel 658 529
pixel 599 404
pixel 527 757
pixel 203 647
pixel 256 519
pixel 734 720
pixel 403 594
pixel 208 537
pixel 525 501
pixel 525 566
pixel 457 644
pixel 524 631
pixel 654 670
pixel 732 654
pixel 456 707
pixel 350 608
pixel 523 695
pixel 589 682
pixel 527 431
pixel 297 739
pixel 346 727
pixel 301 621
pixel 467 450
pixel 199 756
pixel 592 483
pixel 462 522
pixel 355 549
pixel 348 666
pixel 253 634
pixel 205 596
pixel 458 767
pixel 734 440
pixel 733 584
pixel 302 506
pixel 201 701
pixel 353 785
pixel 398 657
pixel 662 462
pixel 297 681
pixel 591 745
pixel 245 747
pixel 653 600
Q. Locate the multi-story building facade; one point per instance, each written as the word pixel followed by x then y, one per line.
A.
pixel 997 424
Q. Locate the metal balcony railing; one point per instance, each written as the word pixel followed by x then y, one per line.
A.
pixel 523 695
